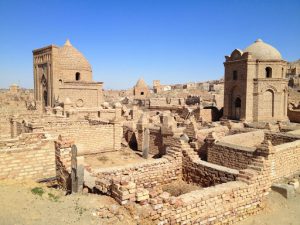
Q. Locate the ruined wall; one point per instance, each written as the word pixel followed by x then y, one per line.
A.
pixel 30 156
pixel 206 115
pixel 285 160
pixel 63 162
pixel 222 204
pixel 96 138
pixel 4 126
pixel 90 137
pixel 204 173
pixel 144 175
pixel 147 174
pixel 156 142
pixel 280 138
pixel 294 115
pixel 232 156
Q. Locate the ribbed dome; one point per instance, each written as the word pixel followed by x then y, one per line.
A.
pixel 264 51
pixel 70 58
pixel 141 83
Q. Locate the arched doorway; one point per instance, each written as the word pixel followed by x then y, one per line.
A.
pixel 237 108
pixel 268 104
pixel 45 98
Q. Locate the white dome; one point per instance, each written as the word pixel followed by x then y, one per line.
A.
pixel 264 51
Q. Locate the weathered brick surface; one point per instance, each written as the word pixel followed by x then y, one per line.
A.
pixel 204 173
pixel 232 156
pixel 221 204
pixel 285 160
pixel 90 137
pixel 30 156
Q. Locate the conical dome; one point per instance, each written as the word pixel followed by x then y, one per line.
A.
pixel 264 51
pixel 141 83
pixel 69 58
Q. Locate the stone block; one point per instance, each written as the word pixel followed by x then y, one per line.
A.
pixel 285 190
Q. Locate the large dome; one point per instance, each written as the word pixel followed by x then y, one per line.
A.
pixel 70 58
pixel 264 51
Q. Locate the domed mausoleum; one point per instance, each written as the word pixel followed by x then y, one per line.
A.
pixel 141 89
pixel 64 73
pixel 255 87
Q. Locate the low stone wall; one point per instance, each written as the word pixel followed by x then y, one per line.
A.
pixel 280 138
pixel 30 156
pixel 229 155
pixel 285 160
pixel 294 115
pixel 204 173
pixel 90 136
pixel 144 175
pixel 147 175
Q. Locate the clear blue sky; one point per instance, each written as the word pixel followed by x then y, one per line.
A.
pixel 174 41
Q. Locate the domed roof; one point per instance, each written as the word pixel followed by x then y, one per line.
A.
pixel 71 59
pixel 264 51
pixel 141 83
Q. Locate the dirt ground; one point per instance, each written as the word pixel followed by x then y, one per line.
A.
pixel 29 203
pixel 116 158
pixel 179 187
pixel 278 211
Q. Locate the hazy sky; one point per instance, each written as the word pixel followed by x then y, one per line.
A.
pixel 174 41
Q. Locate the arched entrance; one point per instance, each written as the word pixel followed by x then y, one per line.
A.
pixel 237 108
pixel 45 98
pixel 268 104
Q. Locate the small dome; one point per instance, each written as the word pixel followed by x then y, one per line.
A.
pixel 67 101
pixel 70 58
pixel 141 83
pixel 264 51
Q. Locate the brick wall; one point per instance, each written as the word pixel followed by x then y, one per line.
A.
pixel 204 173
pixel 280 138
pixel 229 155
pixel 285 160
pixel 294 115
pixel 156 142
pixel 90 137
pixel 63 162
pixel 222 204
pixel 30 156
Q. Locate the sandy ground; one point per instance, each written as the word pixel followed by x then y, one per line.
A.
pixel 19 206
pixel 117 158
pixel 278 211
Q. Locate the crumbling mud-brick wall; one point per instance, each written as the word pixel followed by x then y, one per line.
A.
pixel 283 152
pixel 285 160
pixel 63 162
pixel 280 138
pixel 90 136
pixel 145 175
pixel 222 204
pixel 204 173
pixel 229 155
pixel 156 142
pixel 30 156
pixel 294 115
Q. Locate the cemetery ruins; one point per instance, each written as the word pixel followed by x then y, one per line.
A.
pixel 228 141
